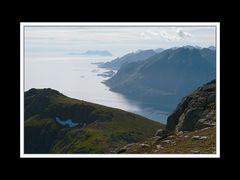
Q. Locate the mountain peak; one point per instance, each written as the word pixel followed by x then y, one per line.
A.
pixel 137 56
pixel 159 50
pixel 212 48
pixel 191 47
pixel 45 92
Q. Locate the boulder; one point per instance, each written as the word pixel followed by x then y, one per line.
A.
pixel 203 123
pixel 189 119
pixel 199 137
pixel 203 138
pixel 167 141
pixel 196 137
pixel 211 98
pixel 159 146
pixel 144 145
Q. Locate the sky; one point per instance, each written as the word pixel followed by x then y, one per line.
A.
pixel 117 40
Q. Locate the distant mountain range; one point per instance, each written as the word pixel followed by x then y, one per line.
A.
pixel 212 48
pixel 55 123
pixel 141 55
pixel 163 78
pixel 194 47
pixel 159 50
pixel 97 52
pixel 128 58
pixel 92 53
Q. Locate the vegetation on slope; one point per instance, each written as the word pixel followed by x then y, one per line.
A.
pixel 201 141
pixel 163 79
pixel 100 129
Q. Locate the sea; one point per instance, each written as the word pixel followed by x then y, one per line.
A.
pixel 80 77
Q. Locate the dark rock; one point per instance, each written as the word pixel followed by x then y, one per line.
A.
pixel 203 123
pixel 164 136
pixel 188 120
pixel 196 111
pixel 211 98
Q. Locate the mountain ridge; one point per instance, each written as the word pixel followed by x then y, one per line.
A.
pixel 97 52
pixel 166 76
pixel 128 58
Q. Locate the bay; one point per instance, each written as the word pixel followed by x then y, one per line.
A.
pixel 78 77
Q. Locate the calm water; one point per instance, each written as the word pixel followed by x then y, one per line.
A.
pixel 77 77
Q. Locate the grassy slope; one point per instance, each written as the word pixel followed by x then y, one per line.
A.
pixel 180 143
pixel 112 129
pixel 100 137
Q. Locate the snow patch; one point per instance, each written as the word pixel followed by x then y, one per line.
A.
pixel 68 122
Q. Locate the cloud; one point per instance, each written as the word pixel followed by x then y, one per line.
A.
pixel 115 39
pixel 148 35
pixel 168 34
pixel 145 36
pixel 182 34
pixel 176 34
pixel 152 33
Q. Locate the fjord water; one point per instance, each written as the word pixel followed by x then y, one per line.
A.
pixel 77 77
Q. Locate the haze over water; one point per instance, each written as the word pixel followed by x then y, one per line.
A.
pixel 77 77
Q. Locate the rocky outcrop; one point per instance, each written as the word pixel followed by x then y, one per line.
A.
pixel 200 141
pixel 195 111
pixel 191 128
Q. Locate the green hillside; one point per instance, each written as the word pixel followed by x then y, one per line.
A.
pixel 98 129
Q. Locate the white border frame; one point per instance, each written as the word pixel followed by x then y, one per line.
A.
pixel 130 24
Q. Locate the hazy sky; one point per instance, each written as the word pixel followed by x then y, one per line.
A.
pixel 117 40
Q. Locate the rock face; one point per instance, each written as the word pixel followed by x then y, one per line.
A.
pixel 196 111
